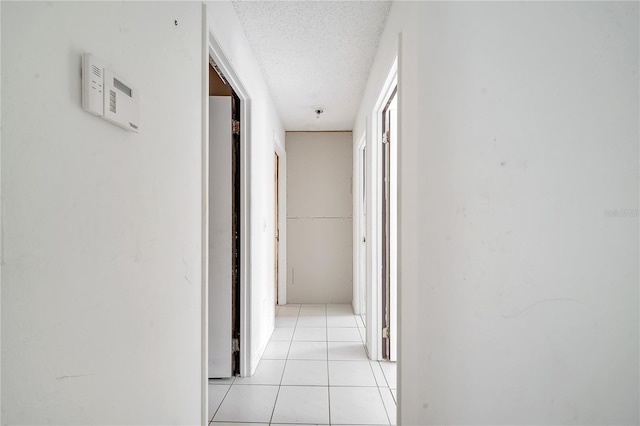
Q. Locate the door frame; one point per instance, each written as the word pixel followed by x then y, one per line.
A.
pixel 359 301
pixel 213 50
pixel 279 148
pixel 390 232
pixel 374 215
pixel 393 264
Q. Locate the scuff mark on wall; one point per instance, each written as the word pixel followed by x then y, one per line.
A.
pixel 60 378
pixel 521 311
pixel 186 266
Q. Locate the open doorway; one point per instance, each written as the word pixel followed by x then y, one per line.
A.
pixel 360 232
pixel 224 231
pixel 280 222
pixel 276 228
pixel 389 226
pixel 380 223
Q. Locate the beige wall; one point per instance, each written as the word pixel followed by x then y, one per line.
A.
pixel 319 221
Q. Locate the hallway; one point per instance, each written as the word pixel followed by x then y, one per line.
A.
pixel 314 371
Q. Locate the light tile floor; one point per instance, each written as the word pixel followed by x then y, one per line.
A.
pixel 314 371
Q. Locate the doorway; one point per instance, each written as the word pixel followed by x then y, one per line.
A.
pixel 276 228
pixel 280 222
pixel 224 231
pixel 360 231
pixel 380 198
pixel 214 56
pixel 389 227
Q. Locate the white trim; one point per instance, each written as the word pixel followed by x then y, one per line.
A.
pixel 393 234
pixel 279 148
pixel 359 252
pixel 374 323
pixel 204 364
pixel 400 95
pixel 374 249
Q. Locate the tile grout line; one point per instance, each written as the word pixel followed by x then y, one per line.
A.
pixel 386 380
pixel 378 386
pixel 385 376
pixel 386 411
pixel 273 411
pixel 296 326
pixel 326 323
pixel 223 398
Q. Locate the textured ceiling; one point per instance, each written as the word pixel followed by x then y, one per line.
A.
pixel 314 53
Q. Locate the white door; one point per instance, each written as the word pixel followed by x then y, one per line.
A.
pixel 220 237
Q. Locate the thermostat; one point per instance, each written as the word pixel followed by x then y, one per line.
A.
pixel 107 95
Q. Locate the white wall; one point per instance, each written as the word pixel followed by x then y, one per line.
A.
pixel 319 218
pixel 265 127
pixel 101 282
pixel 519 135
pixel 1 217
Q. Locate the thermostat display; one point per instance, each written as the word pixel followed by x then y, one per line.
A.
pixel 108 95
